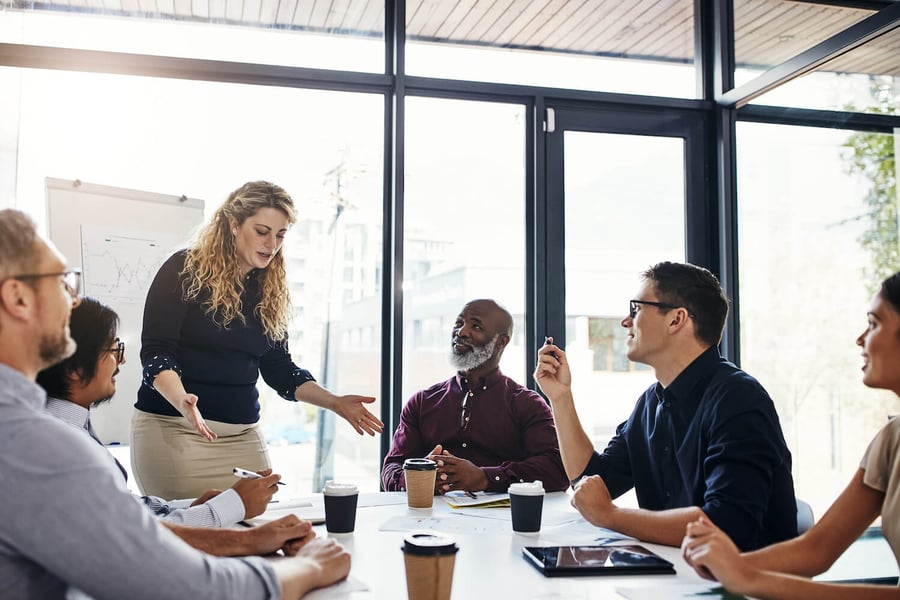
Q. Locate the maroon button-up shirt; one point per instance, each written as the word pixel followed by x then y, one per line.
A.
pixel 510 435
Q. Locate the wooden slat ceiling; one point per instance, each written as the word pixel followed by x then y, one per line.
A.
pixel 767 32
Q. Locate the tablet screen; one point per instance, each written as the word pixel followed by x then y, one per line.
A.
pixel 619 560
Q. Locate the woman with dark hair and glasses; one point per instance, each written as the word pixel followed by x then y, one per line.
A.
pixel 782 570
pixel 215 320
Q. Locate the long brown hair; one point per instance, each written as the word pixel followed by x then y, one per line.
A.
pixel 211 269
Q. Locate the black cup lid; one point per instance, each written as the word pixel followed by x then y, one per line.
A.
pixel 419 464
pixel 427 543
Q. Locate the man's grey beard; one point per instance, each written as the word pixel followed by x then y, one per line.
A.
pixel 474 358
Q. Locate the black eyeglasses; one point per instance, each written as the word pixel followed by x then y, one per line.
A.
pixel 119 350
pixel 71 280
pixel 632 307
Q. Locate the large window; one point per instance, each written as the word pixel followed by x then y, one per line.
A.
pixel 624 211
pixel 818 231
pixel 203 140
pixel 636 47
pixel 464 230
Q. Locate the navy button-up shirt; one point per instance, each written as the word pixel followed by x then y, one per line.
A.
pixel 711 439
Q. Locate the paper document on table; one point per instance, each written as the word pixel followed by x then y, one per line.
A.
pixel 452 523
pixel 314 516
pixel 381 499
pixel 460 499
pixel 697 591
pixel 341 589
pixel 308 509
pixel 579 531
pixel 285 504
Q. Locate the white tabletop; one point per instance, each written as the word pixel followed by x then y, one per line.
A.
pixel 489 563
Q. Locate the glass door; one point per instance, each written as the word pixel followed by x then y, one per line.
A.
pixel 618 200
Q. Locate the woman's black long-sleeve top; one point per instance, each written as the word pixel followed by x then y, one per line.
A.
pixel 220 365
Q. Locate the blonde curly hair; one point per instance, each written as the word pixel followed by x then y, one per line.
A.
pixel 211 270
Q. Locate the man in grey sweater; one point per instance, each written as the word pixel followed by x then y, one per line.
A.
pixel 49 543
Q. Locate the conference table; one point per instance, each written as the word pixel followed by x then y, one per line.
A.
pixel 489 563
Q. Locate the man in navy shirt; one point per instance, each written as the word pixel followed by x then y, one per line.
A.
pixel 704 440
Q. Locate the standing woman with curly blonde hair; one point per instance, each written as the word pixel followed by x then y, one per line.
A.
pixel 216 319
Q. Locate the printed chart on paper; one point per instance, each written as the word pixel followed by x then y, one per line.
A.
pixel 119 266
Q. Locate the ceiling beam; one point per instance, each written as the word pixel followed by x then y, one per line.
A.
pixel 120 63
pixel 870 28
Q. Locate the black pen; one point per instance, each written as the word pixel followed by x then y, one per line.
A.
pixel 471 495
pixel 547 341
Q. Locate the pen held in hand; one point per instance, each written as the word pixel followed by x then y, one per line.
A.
pixel 548 340
pixel 245 474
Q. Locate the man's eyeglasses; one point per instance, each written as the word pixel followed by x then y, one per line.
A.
pixel 119 350
pixel 633 307
pixel 71 280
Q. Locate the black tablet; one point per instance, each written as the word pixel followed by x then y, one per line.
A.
pixel 566 561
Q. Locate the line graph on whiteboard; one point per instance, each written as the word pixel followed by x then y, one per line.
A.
pixel 119 267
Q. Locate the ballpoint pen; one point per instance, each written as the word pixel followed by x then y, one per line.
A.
pixel 471 495
pixel 547 340
pixel 239 472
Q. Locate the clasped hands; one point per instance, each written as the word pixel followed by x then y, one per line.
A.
pixel 714 556
pixel 455 473
pixel 288 534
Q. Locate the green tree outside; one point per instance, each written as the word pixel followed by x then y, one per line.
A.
pixel 873 156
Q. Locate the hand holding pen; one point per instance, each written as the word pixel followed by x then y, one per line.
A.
pixel 552 370
pixel 256 490
pixel 548 341
pixel 245 474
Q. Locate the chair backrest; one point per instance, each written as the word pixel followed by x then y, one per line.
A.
pixel 805 518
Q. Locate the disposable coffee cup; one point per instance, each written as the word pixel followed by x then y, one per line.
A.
pixel 340 506
pixel 429 558
pixel 526 501
pixel 420 474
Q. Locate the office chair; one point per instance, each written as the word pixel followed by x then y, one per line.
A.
pixel 805 518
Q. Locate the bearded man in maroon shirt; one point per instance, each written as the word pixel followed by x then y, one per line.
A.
pixel 484 429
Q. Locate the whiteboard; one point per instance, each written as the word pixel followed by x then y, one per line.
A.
pixel 119 238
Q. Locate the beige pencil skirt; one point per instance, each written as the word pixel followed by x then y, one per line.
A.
pixel 171 460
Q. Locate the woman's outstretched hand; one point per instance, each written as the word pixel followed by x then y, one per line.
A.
pixel 352 408
pixel 188 408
